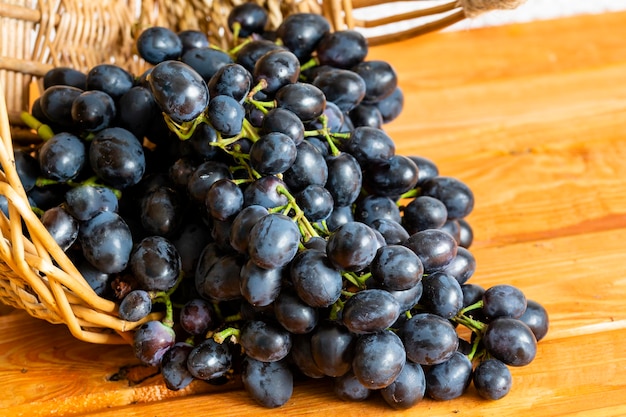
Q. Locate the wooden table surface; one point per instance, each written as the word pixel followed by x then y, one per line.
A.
pixel 533 118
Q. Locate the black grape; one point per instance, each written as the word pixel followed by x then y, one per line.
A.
pixel 157 44
pixel 270 384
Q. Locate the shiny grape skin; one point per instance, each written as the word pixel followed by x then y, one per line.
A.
pixel 242 224
pixel 61 225
pixel 309 168
pixel 391 106
pixel 206 61
pixel 301 32
pixel 117 157
pixel 370 144
pixel 466 234
pixel 179 90
pixel 373 207
pixel 316 202
pixel 273 153
pixel 332 348
pixel 62 157
pixel 151 340
pixel 380 79
pixel 224 199
pixel 65 76
pixel 209 360
pixel 314 278
pixel 27 168
pixel 347 387
pixel 192 39
pixel 352 247
pixel 511 341
pixel 396 267
pixel 284 121
pixel 106 242
pixel 503 300
pixel 293 314
pixel 136 305
pixel 456 195
pixel 278 68
pixel 370 311
pixel 536 318
pixel 342 49
pixel 442 295
pixel 264 192
pixel 301 356
pixel 251 18
pixel 449 379
pixel 162 211
pixel 393 177
pixel 429 339
pixel 426 168
pixel 204 176
pixel 366 115
pixel 226 115
pixel 462 266
pixel 157 44
pixel 408 298
pixel 56 103
pixel 424 212
pixel 85 201
pixel 391 230
pixel 155 263
pixel 434 247
pixel 264 341
pixel 176 376
pixel 492 379
pixel 273 241
pixel 270 384
pixel 250 52
pixel 137 110
pixel 93 110
pixel 197 316
pixel 110 78
pixel 259 286
pixel 232 80
pixel 472 293
pixel 378 359
pixel 407 389
pixel 341 86
pixel 303 99
pixel 220 282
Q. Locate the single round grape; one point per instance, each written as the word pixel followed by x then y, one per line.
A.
pixel 206 61
pixel 308 168
pixel 93 110
pixel 260 286
pixel 449 379
pixel 434 247
pixel 442 295
pixel 209 360
pixel 370 311
pixel 456 195
pixel 224 199
pixel 472 293
pixel 273 241
pixel 536 317
pixel 301 32
pixel 492 379
pixel 197 316
pixel 504 301
pixel 284 121
pixel 396 267
pixel 273 153
pixel 392 177
pixel 373 207
pixel 204 176
pixel 232 80
pixel 347 387
pixel 305 100
pixel 352 247
pixel 179 90
pixel 56 103
pixel 151 340
pixel 162 211
pixel 407 389
pixel 264 341
pixel 218 280
pixel 192 38
pixel 157 44
pixel 408 298
pixel 343 87
pixel 462 266
pixel 250 52
pixel 316 202
pixel 137 110
pixel 61 225
pixel 378 359
pixel 226 115
pixel 136 305
pixel 155 263
pixel 332 347
pixel 270 384
pixel 511 341
pixel 392 231
pixel 85 201
pixel 265 192
pixel 106 242
pixel 293 314
pixel 64 76
pixel 249 17
pixel 423 213
pixel 429 339
pixel 380 79
pixel 344 178
pixel 466 234
pixel 276 68
pixel 426 168
pixel 366 115
pixel 62 157
pixel 314 278
pixel 302 357
pixel 110 78
pixel 176 376
pixel 391 106
pixel 117 157
pixel 342 48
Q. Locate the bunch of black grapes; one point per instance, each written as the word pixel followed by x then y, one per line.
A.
pixel 252 198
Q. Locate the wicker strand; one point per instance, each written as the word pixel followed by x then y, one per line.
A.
pixel 473 8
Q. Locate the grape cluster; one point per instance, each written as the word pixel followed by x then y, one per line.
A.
pixel 253 198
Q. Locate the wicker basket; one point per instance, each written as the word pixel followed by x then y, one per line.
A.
pixel 35 274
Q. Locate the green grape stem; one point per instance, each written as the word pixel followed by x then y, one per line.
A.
pixel 43 130
pixel 229 332
pixel 306 228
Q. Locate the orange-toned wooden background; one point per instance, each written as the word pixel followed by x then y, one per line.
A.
pixel 533 118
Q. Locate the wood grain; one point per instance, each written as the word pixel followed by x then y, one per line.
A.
pixel 533 118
